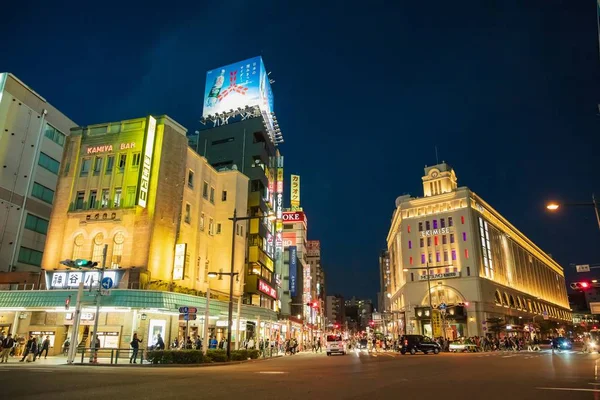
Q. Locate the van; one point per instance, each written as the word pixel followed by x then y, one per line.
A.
pixel 335 344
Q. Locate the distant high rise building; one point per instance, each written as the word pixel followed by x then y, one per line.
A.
pixel 335 309
pixel 32 140
pixel 384 281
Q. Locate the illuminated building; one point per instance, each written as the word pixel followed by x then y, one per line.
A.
pixel 163 212
pixel 383 301
pixel 335 309
pixel 32 138
pixel 480 265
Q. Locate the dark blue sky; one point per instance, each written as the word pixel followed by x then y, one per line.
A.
pixel 364 91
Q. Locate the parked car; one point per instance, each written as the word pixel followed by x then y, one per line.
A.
pixel 413 343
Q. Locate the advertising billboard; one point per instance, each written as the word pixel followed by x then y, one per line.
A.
pixel 293 269
pixel 237 85
pixel 179 261
pixel 147 164
pixel 293 216
pixel 295 192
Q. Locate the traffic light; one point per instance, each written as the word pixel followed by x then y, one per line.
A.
pixel 371 324
pixel 85 263
pixel 67 302
pixel 580 285
pixel 68 263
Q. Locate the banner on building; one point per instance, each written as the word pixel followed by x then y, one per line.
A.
pixel 295 192
pixel 293 270
pixel 179 262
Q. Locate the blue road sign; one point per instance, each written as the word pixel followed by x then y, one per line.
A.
pixel 443 306
pixel 188 310
pixel 107 283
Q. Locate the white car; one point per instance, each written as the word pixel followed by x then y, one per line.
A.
pixel 335 344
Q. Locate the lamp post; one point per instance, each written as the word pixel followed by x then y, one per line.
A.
pixel 231 274
pixel 554 206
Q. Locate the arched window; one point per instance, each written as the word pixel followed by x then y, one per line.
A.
pixel 117 252
pixel 506 300
pixel 498 298
pixel 512 303
pixel 98 248
pixel 519 303
pixel 77 246
pixel 443 294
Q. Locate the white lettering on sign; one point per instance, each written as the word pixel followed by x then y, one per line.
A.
pixel 265 288
pixel 297 216
pixel 432 232
pixel 99 149
pixel 125 146
pixel 145 173
pixel 445 275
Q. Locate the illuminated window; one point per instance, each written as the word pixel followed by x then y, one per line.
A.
pixel 462 219
pixel 77 246
pixel 211 226
pixel 444 239
pixel 437 257
pixel 435 240
pixel 92 199
pixel 202 221
pixel 445 256
pixel 430 258
pixel 408 228
pixel 117 198
pixel 188 213
pixel 117 252
pixel 411 260
pixel 429 241
pixel 105 199
pixel 224 195
pixel 218 229
pixel 452 238
pixel 420 227
pixel 466 253
pixel 79 200
pixel 122 162
pixel 453 255
pixel 110 162
pixel 98 248
pixel 435 224
pixel 486 250
pixel 423 259
pixel 135 160
pixel 422 242
pixel 427 225
pixel 410 244
pixel 212 195
pixel 450 223
pixel 464 236
pixel 442 222
pixel 85 167
pixel 97 166
pixel 190 179
pixel 205 190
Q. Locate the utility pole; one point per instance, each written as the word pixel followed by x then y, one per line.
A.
pixel 75 329
pixel 98 300
pixel 206 320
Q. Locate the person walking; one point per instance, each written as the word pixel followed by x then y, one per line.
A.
pixel 7 344
pixel 66 346
pixel 45 347
pixel 30 347
pixel 135 346
pixel 160 343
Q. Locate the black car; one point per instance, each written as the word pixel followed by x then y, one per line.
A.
pixel 413 343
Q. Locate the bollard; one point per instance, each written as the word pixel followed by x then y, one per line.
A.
pixel 82 354
pixel 112 353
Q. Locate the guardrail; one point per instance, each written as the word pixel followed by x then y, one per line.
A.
pixel 113 356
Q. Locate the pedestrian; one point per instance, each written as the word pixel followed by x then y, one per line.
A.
pixel 198 343
pixel 135 346
pixel 66 346
pixel 160 344
pixel 319 345
pixel 221 344
pixel 188 343
pixel 45 347
pixel 251 343
pixel 213 343
pixel 30 348
pixel 7 345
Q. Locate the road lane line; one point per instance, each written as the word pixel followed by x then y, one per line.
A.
pixel 272 372
pixel 570 389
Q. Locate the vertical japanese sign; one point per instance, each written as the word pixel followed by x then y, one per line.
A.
pixel 179 262
pixel 279 207
pixel 293 270
pixel 147 164
pixel 295 192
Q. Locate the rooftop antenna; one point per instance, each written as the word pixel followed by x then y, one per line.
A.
pixel 437 161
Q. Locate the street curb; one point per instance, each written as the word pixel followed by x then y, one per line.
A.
pixel 148 365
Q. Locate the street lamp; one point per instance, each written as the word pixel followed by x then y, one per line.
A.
pixel 231 274
pixel 554 206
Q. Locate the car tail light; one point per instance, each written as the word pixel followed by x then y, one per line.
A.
pixel 406 342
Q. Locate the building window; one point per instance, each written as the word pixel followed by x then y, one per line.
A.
pixel 435 224
pixel 486 250
pixel 79 200
pixel 422 242
pixel 98 248
pixel 55 135
pixel 410 260
pixel 36 224
pixel 221 141
pixel 77 246
pixel 212 195
pixel 188 213
pixel 117 252
pixel 408 229
pixel 117 198
pixel 122 162
pixel 92 199
pixel 466 253
pixel 410 244
pixel 130 196
pixel 420 227
pixel 464 236
pixel 450 223
pixel 442 222
pixel 190 179
pixel 429 241
pixel 105 198
pixel 85 167
pixel 135 160
pixel 444 239
pixel 437 257
pixel 30 256
pixel 462 219
pixel 423 259
pixel 42 192
pixel 430 258
pixel 202 221
pixel 468 271
pixel 445 256
pixel 452 238
pixel 49 163
pixel 211 226
pixel 427 225
pixel 453 255
pixel 110 162
pixel 218 229
pixel 205 190
pixel 224 195
pixel 435 240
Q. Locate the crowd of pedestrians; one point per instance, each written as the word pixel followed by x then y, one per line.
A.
pixel 30 349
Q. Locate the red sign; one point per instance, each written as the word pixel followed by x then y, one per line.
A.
pixel 294 216
pixel 266 289
pixel 289 239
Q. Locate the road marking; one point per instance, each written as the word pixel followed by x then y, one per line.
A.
pixel 570 389
pixel 272 372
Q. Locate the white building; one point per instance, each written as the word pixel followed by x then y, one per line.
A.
pixel 480 266
pixel 32 138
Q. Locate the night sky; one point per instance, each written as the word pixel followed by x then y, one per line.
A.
pixel 364 91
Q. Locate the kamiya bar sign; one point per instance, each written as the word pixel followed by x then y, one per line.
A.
pixel 109 147
pixel 433 232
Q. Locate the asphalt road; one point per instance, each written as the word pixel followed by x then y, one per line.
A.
pixel 308 376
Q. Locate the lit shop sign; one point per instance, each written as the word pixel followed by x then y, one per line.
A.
pixel 296 216
pixel 147 165
pixel 432 232
pixel 446 275
pixel 109 147
pixel 84 317
pixel 265 288
pixel 179 263
pixel 71 279
pixel 293 269
pixel 295 192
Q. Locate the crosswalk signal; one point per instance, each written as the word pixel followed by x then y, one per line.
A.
pixel 580 285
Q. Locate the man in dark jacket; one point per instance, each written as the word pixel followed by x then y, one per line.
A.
pixel 7 344
pixel 45 347
pixel 30 347
pixel 135 346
